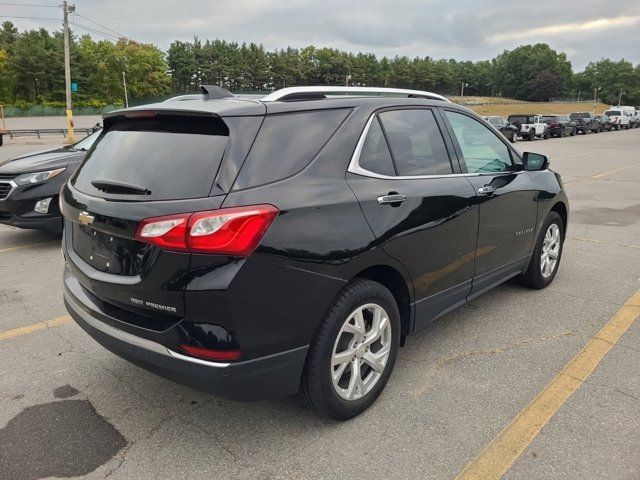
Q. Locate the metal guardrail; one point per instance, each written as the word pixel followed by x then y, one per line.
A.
pixel 28 132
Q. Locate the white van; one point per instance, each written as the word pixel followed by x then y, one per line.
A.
pixel 620 116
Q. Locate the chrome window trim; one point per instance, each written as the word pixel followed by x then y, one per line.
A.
pixel 355 168
pixel 13 184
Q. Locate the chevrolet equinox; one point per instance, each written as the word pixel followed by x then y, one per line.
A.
pixel 259 247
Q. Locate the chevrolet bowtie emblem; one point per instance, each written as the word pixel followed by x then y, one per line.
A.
pixel 85 218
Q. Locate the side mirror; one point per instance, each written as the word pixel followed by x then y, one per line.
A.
pixel 534 162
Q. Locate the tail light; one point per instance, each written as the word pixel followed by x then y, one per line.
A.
pixel 228 231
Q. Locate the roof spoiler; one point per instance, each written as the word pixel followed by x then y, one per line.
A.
pixel 212 91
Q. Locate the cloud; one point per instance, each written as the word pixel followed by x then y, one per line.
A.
pixel 462 29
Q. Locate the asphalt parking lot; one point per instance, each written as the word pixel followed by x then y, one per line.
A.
pixel 70 408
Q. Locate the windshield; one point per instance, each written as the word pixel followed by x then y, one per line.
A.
pixel 579 115
pixel 86 143
pixel 550 118
pixel 612 113
pixel 497 121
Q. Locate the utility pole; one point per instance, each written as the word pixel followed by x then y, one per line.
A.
pixel 67 67
pixel 126 97
pixel 595 93
pixel 462 89
pixel 579 92
pixel 620 97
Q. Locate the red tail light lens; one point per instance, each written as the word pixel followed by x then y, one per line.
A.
pixel 211 354
pixel 228 231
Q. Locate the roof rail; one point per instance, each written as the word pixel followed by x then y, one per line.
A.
pixel 318 92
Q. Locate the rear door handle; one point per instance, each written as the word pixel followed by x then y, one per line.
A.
pixel 487 190
pixel 392 198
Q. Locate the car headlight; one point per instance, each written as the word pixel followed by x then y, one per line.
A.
pixel 37 177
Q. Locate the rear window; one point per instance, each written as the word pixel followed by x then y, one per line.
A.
pixel 163 157
pixel 550 118
pixel 286 144
pixel 612 113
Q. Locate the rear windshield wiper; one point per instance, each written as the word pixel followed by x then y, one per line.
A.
pixel 114 186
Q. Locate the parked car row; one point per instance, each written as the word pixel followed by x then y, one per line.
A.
pixel 530 126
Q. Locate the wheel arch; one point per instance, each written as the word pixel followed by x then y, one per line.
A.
pixel 561 209
pixel 392 279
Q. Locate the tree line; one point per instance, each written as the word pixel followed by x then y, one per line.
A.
pixel 31 70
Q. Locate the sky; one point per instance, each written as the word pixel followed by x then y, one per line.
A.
pixel 462 29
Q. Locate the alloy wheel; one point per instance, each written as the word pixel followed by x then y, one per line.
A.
pixel 361 351
pixel 550 251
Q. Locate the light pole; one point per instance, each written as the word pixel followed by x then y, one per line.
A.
pixel 595 93
pixel 462 89
pixel 620 97
pixel 126 97
pixel 67 68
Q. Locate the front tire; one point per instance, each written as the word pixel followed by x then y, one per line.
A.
pixel 354 351
pixel 546 254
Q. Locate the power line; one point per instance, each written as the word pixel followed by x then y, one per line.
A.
pixel 97 32
pixel 30 18
pixel 30 5
pixel 101 25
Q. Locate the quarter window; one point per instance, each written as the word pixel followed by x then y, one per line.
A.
pixel 415 142
pixel 482 150
pixel 375 156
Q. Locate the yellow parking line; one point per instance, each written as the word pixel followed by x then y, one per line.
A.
pixel 615 170
pixel 20 247
pixel 494 461
pixel 35 327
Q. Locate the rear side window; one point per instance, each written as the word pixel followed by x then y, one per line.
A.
pixel 415 142
pixel 170 157
pixel 375 155
pixel 286 144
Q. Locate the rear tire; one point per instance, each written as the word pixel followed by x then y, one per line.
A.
pixel 547 253
pixel 343 345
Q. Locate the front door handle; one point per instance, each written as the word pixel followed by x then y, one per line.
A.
pixel 487 190
pixel 392 198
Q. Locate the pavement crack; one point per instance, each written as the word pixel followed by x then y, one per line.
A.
pixel 444 361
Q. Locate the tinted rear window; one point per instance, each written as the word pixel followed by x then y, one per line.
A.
pixel 612 113
pixel 171 157
pixel 286 144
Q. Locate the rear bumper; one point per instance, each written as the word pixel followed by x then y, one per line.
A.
pixel 260 378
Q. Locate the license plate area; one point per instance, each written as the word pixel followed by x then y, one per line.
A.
pixel 110 253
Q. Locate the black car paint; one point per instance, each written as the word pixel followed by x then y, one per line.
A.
pixel 330 230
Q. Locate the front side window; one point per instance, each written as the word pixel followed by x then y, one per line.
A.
pixel 482 150
pixel 415 142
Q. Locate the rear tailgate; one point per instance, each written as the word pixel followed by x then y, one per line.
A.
pixel 144 282
pixel 146 164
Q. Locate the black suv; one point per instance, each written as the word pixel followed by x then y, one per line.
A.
pixel 258 248
pixel 586 122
